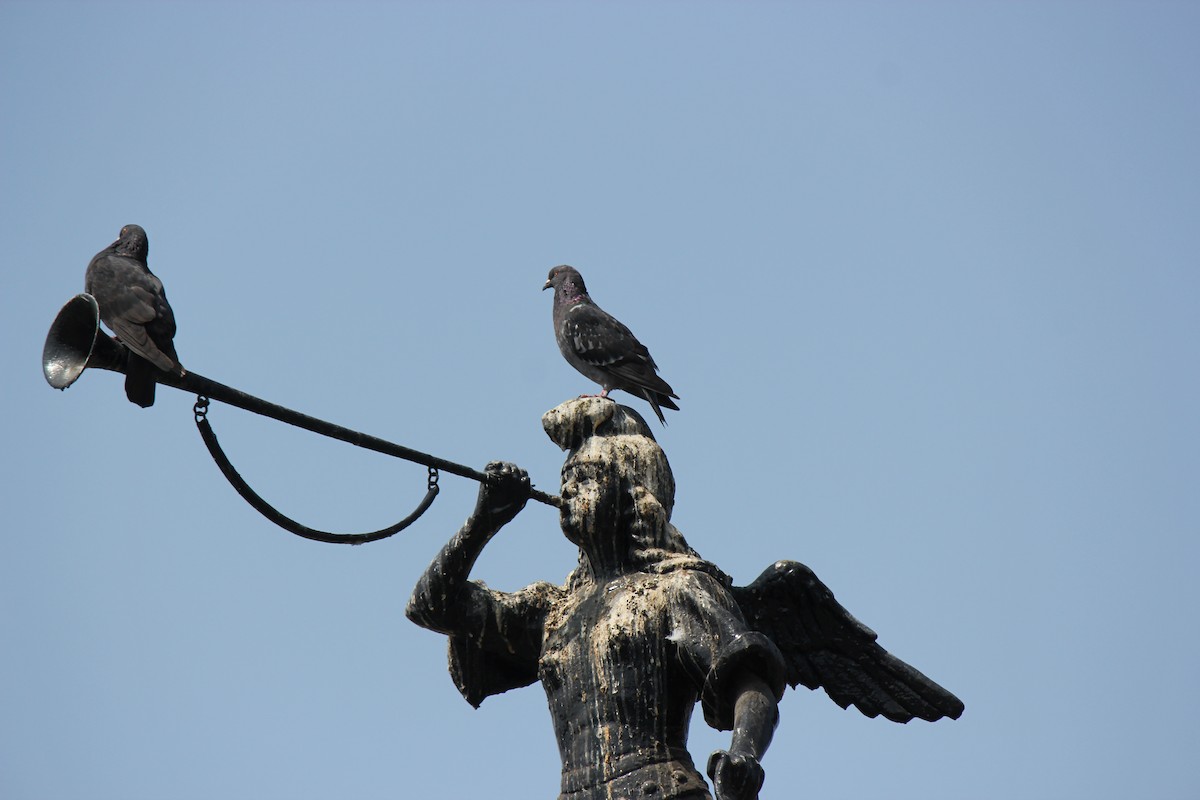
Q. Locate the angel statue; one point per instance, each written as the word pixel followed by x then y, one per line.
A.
pixel 644 627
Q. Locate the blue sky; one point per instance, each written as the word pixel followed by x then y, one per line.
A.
pixel 924 276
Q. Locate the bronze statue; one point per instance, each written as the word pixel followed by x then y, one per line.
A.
pixel 644 628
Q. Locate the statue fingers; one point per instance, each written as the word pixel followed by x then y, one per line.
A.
pixel 505 491
pixel 735 776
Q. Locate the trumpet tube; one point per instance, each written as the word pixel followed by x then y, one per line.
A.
pixel 76 343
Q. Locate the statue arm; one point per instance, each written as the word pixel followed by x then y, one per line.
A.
pixel 741 675
pixel 445 600
pixel 737 773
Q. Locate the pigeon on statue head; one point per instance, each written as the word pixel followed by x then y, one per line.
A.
pixel 600 347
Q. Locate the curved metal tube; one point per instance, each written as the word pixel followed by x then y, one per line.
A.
pixel 287 523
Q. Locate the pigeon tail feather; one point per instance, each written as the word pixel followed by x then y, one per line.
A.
pixel 139 381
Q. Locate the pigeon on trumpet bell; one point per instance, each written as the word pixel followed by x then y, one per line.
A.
pixel 134 306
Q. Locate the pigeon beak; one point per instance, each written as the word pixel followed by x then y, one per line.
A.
pixel 546 286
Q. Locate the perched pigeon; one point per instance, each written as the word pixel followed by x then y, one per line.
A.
pixel 134 305
pixel 600 347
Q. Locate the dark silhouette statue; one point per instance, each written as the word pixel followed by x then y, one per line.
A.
pixel 644 628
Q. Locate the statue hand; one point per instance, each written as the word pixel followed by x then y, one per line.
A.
pixel 735 776
pixel 503 494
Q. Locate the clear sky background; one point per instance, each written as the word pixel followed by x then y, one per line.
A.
pixel 925 276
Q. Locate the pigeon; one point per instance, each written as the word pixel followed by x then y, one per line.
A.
pixel 134 306
pixel 600 347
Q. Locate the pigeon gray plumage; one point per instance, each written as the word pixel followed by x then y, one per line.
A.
pixel 600 347
pixel 134 306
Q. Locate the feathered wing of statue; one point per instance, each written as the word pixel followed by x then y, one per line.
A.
pixel 825 647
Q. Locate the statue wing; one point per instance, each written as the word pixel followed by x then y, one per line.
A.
pixel 824 645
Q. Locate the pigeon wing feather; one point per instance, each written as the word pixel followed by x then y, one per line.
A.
pixel 602 341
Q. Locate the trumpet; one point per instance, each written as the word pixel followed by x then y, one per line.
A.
pixel 76 343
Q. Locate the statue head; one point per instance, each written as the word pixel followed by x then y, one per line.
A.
pixel 617 486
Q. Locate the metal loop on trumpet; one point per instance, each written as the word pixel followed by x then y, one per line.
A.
pixel 200 409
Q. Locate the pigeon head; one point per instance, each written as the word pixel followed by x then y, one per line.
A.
pixel 567 282
pixel 132 241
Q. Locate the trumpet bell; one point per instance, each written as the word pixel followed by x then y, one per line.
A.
pixel 75 342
